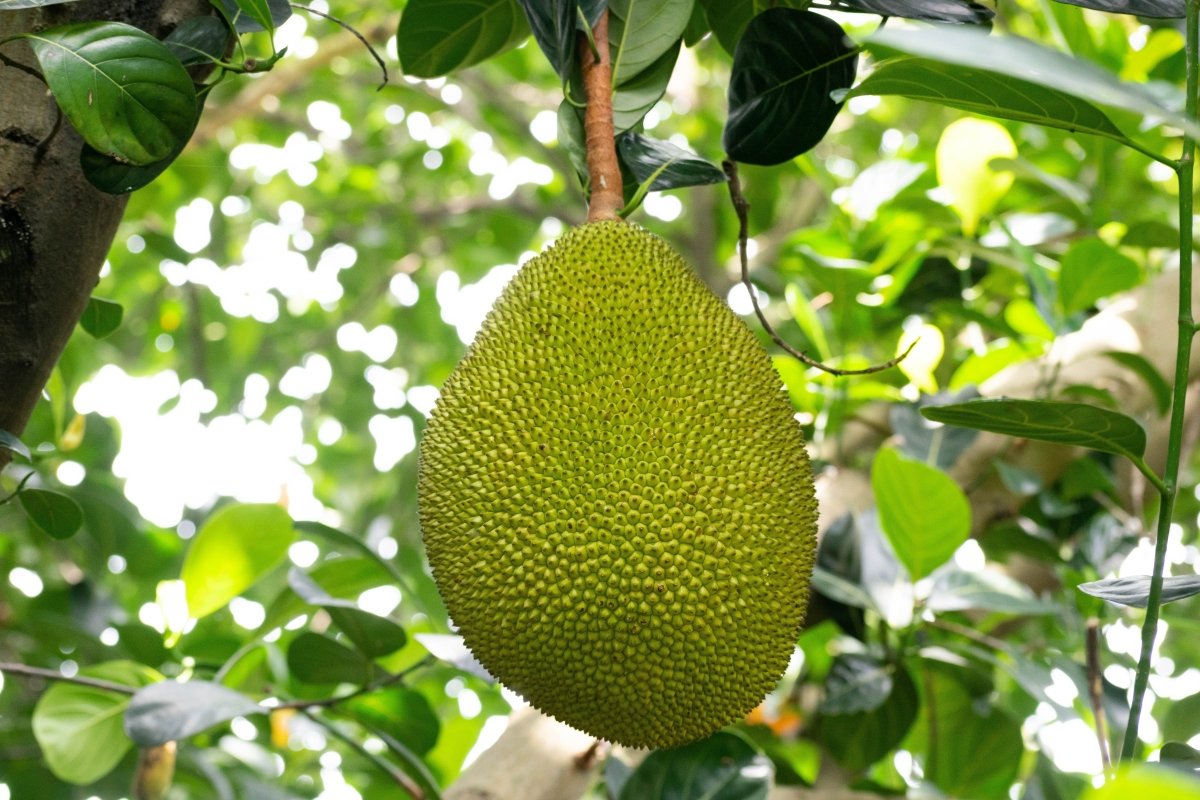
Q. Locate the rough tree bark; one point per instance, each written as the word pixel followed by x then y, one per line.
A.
pixel 55 229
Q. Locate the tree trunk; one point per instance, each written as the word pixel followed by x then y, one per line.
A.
pixel 55 229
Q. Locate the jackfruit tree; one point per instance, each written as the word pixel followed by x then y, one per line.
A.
pixel 637 399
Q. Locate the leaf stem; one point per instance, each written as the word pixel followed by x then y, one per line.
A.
pixel 382 683
pixel 1183 352
pixel 54 675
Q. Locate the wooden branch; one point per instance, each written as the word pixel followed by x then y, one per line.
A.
pixel 604 170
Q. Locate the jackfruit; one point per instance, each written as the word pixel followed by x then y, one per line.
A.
pixel 615 497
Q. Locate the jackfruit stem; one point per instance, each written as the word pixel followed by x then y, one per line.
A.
pixel 604 171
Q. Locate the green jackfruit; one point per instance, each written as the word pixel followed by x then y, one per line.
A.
pixel 615 497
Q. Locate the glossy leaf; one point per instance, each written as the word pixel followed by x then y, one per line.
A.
pixel 988 93
pixel 1162 9
pixel 436 37
pixel 856 684
pixel 1091 270
pixel 233 549
pixel 984 590
pixel 553 24
pixel 251 16
pixel 122 89
pixel 1135 591
pixel 260 11
pixel 402 713
pixel 728 19
pixel 640 32
pixel 953 11
pixel 53 512
pixel 722 767
pixel 664 164
pixel 372 634
pixel 859 740
pixel 787 65
pixel 11 442
pixel 1028 61
pixel 314 658
pixel 79 728
pixel 199 40
pixel 169 711
pixel 835 587
pixel 101 317
pixel 1048 421
pixel 923 512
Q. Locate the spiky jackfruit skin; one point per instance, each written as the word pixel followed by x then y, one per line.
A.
pixel 615 496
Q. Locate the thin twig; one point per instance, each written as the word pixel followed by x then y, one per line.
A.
pixel 604 170
pixel 54 675
pixel 395 773
pixel 370 48
pixel 970 633
pixel 8 62
pixel 742 207
pixel 1095 691
pixel 374 686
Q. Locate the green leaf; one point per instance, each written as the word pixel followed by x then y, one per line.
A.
pixel 402 713
pixel 259 11
pixel 1024 60
pixel 169 711
pixel 313 658
pixel 835 587
pixel 787 65
pixel 372 634
pixel 923 512
pixel 973 752
pixel 665 165
pixel 634 98
pixel 53 512
pixel 728 19
pixel 1178 754
pixel 79 727
pixel 984 590
pixel 101 317
pixel 11 442
pixel 859 740
pixel 642 31
pixel 1182 719
pixel 252 16
pixel 1048 421
pixel 1147 781
pixel 1135 591
pixel 1163 9
pixel 553 25
pixel 233 549
pixel 199 40
pixel 856 683
pixel 722 767
pixel 122 89
pixel 1091 270
pixel 988 93
pixel 436 37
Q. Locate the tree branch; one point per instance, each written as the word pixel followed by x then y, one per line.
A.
pixel 54 675
pixel 604 170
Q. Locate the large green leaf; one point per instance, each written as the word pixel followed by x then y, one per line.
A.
pixel 640 32
pixel 52 512
pixel 785 70
pixel 636 96
pixel 859 740
pixel 971 752
pixel 231 551
pixel 1048 421
pixel 1135 590
pixel 1148 781
pixel 169 711
pixel 1091 270
pixel 372 634
pixel 436 37
pixel 728 19
pixel 402 713
pixel 985 92
pixel 665 165
pixel 553 25
pixel 1028 61
pixel 921 509
pixel 314 658
pixel 122 89
pixel 722 767
pixel 79 727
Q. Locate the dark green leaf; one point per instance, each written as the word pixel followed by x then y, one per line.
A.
pixel 199 40
pixel 953 11
pixel 436 37
pixel 233 549
pixel 372 634
pixel 984 92
pixel 1182 720
pixel 10 442
pixel 722 767
pixel 856 684
pixel 958 590
pixel 553 25
pixel 402 713
pixel 314 658
pixel 728 19
pixel 1162 9
pixel 636 96
pixel 122 89
pixel 260 11
pixel 170 711
pixel 1178 754
pixel 1151 233
pixel 668 166
pixel 859 740
pixel 101 317
pixel 640 32
pixel 923 512
pixel 1091 270
pixel 79 727
pixel 248 15
pixel 1028 61
pixel 1135 591
pixel 973 752
pixel 786 67
pixel 53 512
pixel 1141 366
pixel 1048 421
